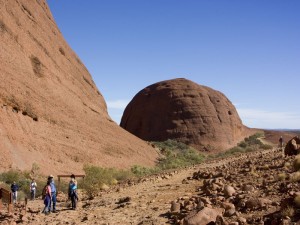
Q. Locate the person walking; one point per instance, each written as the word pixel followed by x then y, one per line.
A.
pixel 14 188
pixel 47 198
pixel 73 191
pixel 53 193
pixel 33 187
pixel 281 142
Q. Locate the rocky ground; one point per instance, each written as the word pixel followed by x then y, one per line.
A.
pixel 256 188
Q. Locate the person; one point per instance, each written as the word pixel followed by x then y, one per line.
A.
pixel 53 194
pixel 73 191
pixel 14 188
pixel 47 198
pixel 33 186
pixel 281 142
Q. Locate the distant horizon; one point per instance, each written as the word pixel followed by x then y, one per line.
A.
pixel 248 50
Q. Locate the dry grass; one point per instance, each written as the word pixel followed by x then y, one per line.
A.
pixel 288 211
pixel 296 163
pixel 281 176
pixel 295 177
pixel 297 201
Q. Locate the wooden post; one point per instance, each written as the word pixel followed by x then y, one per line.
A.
pixel 1 206
pixel 58 185
pixel 26 201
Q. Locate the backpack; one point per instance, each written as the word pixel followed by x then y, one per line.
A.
pixel 45 192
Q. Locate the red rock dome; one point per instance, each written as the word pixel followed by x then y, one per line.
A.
pixel 185 111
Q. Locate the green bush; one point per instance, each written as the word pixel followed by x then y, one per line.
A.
pixel 242 144
pixel 96 177
pixel 177 155
pixel 140 171
pixel 266 147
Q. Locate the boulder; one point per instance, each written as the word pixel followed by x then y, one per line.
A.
pixel 293 146
pixel 184 111
pixel 203 217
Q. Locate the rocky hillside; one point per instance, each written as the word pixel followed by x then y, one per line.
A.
pixel 51 112
pixel 185 111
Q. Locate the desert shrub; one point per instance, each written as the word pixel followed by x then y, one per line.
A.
pixel 21 178
pixel 249 144
pixel 96 177
pixel 10 176
pixel 177 155
pixel 140 171
pixel 254 139
pixel 281 176
pixel 242 144
pixel 295 177
pixel 266 147
pixel 296 163
pixel 297 201
pixel 288 211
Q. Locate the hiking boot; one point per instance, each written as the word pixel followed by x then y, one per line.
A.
pixel 54 211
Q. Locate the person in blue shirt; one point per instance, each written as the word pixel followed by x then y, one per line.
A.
pixel 73 191
pixel 53 194
pixel 14 188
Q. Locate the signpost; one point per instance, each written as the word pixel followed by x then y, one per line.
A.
pixel 6 197
pixel 67 176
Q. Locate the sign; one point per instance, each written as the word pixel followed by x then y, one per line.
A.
pixel 5 196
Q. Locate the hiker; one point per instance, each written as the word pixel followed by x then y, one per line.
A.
pixel 47 198
pixel 280 142
pixel 14 188
pixel 33 186
pixel 73 191
pixel 53 193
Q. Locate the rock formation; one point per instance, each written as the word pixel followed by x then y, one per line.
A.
pixel 52 114
pixel 185 111
pixel 292 146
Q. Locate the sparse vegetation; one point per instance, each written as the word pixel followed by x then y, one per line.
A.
pixel 23 179
pixel 140 171
pixel 249 144
pixel 296 163
pixel 177 155
pixel 297 201
pixel 295 177
pixel 288 211
pixel 96 177
pixel 282 176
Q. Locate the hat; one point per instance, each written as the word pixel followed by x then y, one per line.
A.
pixel 72 176
pixel 50 176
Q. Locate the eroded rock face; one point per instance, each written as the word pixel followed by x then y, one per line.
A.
pixel 185 111
pixel 52 114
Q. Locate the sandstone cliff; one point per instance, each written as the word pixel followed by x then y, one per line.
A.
pixel 185 111
pixel 51 113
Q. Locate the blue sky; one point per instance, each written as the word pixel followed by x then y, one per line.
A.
pixel 248 50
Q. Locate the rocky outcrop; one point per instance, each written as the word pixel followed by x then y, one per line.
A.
pixel 51 113
pixel 292 146
pixel 185 111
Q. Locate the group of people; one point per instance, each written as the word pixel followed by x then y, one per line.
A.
pixel 49 193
